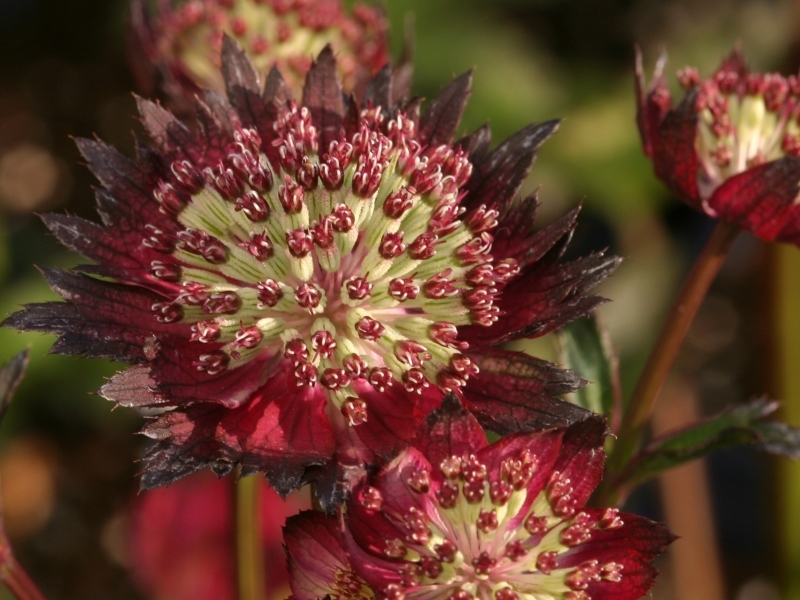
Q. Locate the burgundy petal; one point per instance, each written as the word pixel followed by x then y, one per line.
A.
pixel 476 144
pixel 734 63
pixel 126 205
pixel 397 482
pixel 440 120
pixel 367 558
pixel 214 128
pixel 237 70
pixel 93 241
pixel 379 90
pixel 220 108
pixel 100 319
pixel 496 180
pixel 322 95
pixel 675 159
pixel 516 392
pixel 129 187
pixel 275 89
pixel 123 178
pixel 450 430
pixel 544 446
pixel 515 238
pixel 633 546
pixel 369 529
pixel 256 435
pixel 763 200
pixel 582 457
pixel 394 416
pixel 241 83
pixel 171 136
pixel 167 381
pixel 544 298
pixel 314 553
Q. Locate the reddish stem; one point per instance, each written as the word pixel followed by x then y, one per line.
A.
pixel 17 580
pixel 673 333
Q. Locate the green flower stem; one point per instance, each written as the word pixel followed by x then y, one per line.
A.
pixel 249 549
pixel 16 579
pixel 785 328
pixel 638 410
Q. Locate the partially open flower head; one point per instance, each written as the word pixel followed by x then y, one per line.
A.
pixel 181 44
pixel 456 519
pixel 731 148
pixel 303 283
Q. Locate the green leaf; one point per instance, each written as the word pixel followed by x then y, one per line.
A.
pixel 11 375
pixel 744 424
pixel 585 348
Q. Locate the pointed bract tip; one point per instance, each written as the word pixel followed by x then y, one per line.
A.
pixel 237 68
pixel 11 375
pixel 451 407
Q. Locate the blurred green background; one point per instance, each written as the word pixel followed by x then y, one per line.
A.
pixel 68 462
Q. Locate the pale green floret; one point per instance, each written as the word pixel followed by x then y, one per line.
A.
pixel 323 324
pixel 209 212
pixel 748 135
pixel 551 542
pixel 330 259
pixel 752 129
pixel 452 309
pixel 290 334
pixel 302 267
pixel 541 586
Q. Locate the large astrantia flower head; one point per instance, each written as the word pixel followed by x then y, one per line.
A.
pixel 302 283
pixel 180 45
pixel 731 148
pixel 455 518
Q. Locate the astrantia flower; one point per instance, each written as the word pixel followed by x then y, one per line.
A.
pixel 456 518
pixel 731 148
pixel 303 283
pixel 181 44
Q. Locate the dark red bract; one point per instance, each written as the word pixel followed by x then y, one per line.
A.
pixel 731 148
pixel 300 284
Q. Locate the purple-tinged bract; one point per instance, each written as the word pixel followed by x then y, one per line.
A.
pixel 302 283
pixel 731 148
